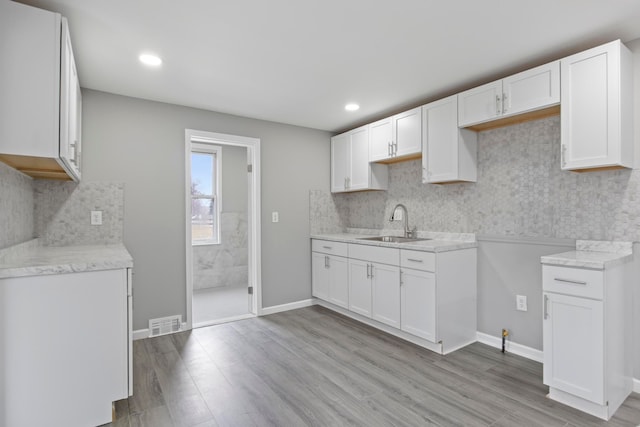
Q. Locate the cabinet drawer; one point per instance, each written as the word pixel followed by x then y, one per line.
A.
pixel 573 281
pixel 329 247
pixel 418 260
pixel 389 256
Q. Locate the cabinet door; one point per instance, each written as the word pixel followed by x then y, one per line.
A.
pixel 531 90
pixel 573 341
pixel 338 281
pixel 480 104
pixel 359 287
pixel 29 81
pixel 591 109
pixel 380 139
pixel 440 155
pixel 360 170
pixel 407 133
pixel 385 285
pixel 340 162
pixel 70 107
pixel 319 276
pixel 418 303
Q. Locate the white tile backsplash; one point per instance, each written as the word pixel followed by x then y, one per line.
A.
pixel 63 212
pixel 521 191
pixel 16 207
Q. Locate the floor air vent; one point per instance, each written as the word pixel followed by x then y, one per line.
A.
pixel 165 325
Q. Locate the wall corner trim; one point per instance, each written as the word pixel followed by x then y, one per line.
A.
pixel 286 307
pixel 510 347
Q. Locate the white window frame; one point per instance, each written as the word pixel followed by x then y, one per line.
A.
pixel 216 150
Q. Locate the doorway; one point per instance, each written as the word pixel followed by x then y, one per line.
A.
pixel 222 183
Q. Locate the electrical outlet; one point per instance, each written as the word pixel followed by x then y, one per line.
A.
pixel 275 217
pixel 521 302
pixel 96 217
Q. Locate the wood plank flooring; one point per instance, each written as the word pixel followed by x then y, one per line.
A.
pixel 313 367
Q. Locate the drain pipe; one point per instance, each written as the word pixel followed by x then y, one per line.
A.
pixel 505 334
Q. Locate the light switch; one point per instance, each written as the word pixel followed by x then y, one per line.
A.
pixel 275 217
pixel 96 217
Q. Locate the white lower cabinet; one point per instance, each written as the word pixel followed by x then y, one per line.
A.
pixel 586 337
pixel 428 298
pixel 68 340
pixel 329 273
pixel 360 287
pixel 385 294
pixel 418 301
pixel 573 340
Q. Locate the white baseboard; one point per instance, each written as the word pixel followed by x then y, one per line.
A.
pixel 511 347
pixel 636 385
pixel 286 307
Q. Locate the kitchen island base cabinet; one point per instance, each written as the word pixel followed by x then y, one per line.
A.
pixel 66 348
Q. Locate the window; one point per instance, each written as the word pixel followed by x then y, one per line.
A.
pixel 205 194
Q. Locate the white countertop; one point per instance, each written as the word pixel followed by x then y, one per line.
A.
pixel 593 255
pixel 435 244
pixel 37 260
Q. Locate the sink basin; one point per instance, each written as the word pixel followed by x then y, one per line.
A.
pixel 392 239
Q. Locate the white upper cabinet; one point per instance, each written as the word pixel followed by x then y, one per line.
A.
pixel 524 92
pixel 397 137
pixel 40 106
pixel 597 108
pixel 449 153
pixel 480 104
pixel 350 168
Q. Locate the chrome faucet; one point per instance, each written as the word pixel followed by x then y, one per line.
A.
pixel 411 234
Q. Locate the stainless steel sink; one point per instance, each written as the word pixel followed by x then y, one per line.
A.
pixel 392 239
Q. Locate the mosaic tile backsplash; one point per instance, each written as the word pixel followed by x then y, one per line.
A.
pixel 16 207
pixel 520 192
pixel 63 212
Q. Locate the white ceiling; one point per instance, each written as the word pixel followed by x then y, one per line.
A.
pixel 301 61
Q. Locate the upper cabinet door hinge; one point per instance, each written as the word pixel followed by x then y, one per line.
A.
pixel 249 168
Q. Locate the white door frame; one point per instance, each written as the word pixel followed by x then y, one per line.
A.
pixel 253 154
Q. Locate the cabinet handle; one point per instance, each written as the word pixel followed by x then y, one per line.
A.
pixel 372 271
pixel 327 247
pixel 326 261
pixel 545 307
pixel 395 148
pixel 563 155
pixel 401 282
pixel 573 282
pixel 415 260
pixel 504 103
pixel 368 275
pixel 389 149
pixel 497 105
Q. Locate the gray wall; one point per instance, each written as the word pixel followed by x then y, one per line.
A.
pixel 16 212
pixel 235 179
pixel 141 143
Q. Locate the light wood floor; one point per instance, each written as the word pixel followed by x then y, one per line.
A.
pixel 314 367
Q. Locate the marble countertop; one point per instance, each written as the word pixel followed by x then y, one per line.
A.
pixel 437 243
pixel 593 255
pixel 43 260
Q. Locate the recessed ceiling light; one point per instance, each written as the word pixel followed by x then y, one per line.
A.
pixel 351 107
pixel 149 59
